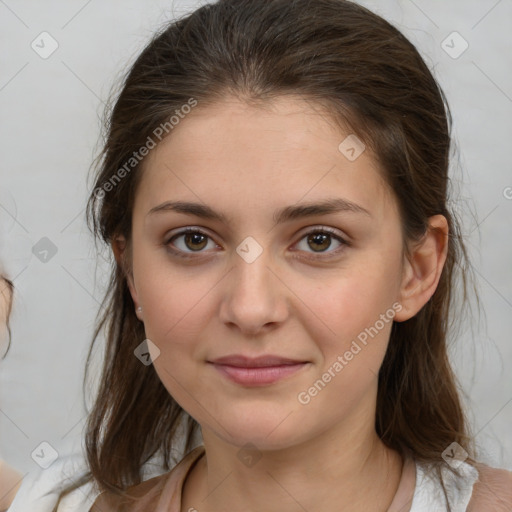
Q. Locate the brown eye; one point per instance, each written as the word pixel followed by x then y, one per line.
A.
pixel 320 240
pixel 195 241
pixel 187 242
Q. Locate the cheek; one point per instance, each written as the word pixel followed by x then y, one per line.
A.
pixel 170 295
pixel 355 310
pixel 360 314
pixel 173 310
pixel 177 312
pixel 174 316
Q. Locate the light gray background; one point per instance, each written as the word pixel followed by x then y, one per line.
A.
pixel 49 130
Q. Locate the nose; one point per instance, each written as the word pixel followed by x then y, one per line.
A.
pixel 254 297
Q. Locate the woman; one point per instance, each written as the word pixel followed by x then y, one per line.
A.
pixel 10 479
pixel 274 190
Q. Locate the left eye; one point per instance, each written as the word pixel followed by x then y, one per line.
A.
pixel 194 241
pixel 322 239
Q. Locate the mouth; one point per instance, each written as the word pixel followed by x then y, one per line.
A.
pixel 259 371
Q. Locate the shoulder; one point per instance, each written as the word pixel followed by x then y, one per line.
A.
pixel 162 492
pixel 492 490
pixel 143 496
pixel 10 481
pixel 40 488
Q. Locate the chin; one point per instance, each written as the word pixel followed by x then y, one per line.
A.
pixel 266 430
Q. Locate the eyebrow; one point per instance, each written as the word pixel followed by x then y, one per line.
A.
pixel 288 213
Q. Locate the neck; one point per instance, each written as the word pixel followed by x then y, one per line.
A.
pixel 341 469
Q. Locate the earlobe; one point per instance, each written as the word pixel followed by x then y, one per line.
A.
pixel 423 268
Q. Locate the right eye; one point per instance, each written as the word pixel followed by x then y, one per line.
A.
pixel 193 241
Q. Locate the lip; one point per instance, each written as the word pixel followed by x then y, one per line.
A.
pixel 257 371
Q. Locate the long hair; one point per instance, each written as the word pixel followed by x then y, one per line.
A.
pixel 369 78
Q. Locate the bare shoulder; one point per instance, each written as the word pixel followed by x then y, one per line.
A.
pixel 492 491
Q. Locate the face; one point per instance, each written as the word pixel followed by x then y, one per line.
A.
pixel 271 327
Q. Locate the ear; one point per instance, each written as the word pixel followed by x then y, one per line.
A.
pixel 119 245
pixel 422 269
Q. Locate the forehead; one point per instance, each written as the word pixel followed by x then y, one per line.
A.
pixel 283 152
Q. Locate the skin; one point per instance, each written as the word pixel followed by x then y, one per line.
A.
pixel 5 301
pixel 10 479
pixel 246 162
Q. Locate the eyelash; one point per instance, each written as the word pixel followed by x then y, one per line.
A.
pixel 323 230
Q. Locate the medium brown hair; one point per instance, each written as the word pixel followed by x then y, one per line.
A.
pixel 366 76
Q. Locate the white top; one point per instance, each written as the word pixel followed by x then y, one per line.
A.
pixel 36 494
pixel 429 495
pixel 39 490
